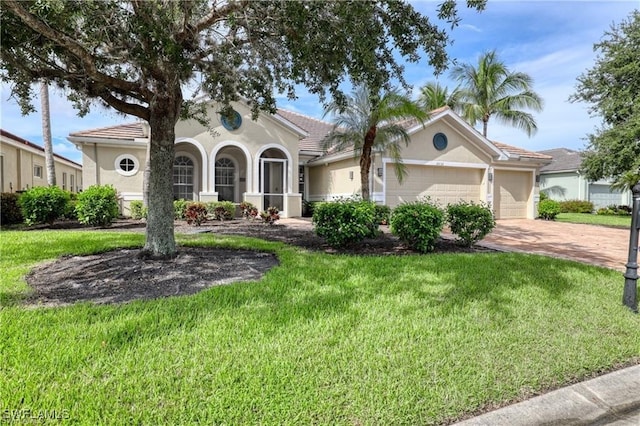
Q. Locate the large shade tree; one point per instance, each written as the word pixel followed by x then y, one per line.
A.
pixel 489 89
pixel 138 56
pixel 371 122
pixel 612 87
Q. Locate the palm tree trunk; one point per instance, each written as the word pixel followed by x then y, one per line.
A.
pixel 365 162
pixel 485 124
pixel 46 134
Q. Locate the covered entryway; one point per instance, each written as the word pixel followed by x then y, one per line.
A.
pixel 512 191
pixel 443 184
pixel 230 174
pixel 187 172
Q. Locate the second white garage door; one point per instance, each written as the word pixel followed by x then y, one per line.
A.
pixel 443 184
pixel 512 190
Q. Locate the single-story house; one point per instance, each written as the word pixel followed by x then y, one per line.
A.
pixel 22 166
pixel 278 160
pixel 561 180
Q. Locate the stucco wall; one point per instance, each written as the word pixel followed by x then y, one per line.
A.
pixel 563 186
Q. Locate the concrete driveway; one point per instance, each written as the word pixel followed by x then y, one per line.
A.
pixel 595 245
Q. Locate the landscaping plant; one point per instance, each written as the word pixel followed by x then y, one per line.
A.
pixel 548 209
pixel 344 222
pixel 222 210
pixel 180 209
pixel 270 216
pixel 418 224
pixel 138 211
pixel 97 205
pixel 248 210
pixel 196 213
pixel 576 206
pixel 383 214
pixel 470 222
pixel 43 204
pixel 10 213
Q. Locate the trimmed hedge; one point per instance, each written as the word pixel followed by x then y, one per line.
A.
pixel 470 222
pixel 548 209
pixel 418 224
pixel 222 210
pixel 43 204
pixel 10 213
pixel 344 222
pixel 576 206
pixel 97 205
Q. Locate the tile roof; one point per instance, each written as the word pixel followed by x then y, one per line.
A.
pixel 564 159
pixel 520 152
pixel 33 145
pixel 316 129
pixel 123 132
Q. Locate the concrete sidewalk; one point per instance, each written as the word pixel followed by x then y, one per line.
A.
pixel 612 399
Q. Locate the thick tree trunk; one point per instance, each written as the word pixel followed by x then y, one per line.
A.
pixel 160 240
pixel 365 162
pixel 46 134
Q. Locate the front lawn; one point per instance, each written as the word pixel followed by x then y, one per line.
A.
pixel 596 219
pixel 321 339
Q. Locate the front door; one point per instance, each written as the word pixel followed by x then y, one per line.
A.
pixel 273 182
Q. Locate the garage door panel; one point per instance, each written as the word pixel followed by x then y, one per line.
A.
pixel 443 184
pixel 512 190
pixel 603 196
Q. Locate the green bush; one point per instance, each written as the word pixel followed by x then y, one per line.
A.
pixel 470 222
pixel 576 206
pixel 43 204
pixel 543 196
pixel 222 210
pixel 418 224
pixel 548 209
pixel 383 214
pixel 248 210
pixel 97 205
pixel 180 209
pixel 344 222
pixel 196 213
pixel 138 210
pixel 614 210
pixel 10 212
pixel 70 210
pixel 308 207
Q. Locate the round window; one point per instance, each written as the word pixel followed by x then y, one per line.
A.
pixel 440 141
pixel 232 121
pixel 126 165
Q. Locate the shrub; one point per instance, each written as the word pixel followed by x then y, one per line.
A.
pixel 196 213
pixel 222 210
pixel 270 216
pixel 97 205
pixel 43 204
pixel 576 206
pixel 418 224
pixel 10 212
pixel 614 210
pixel 248 210
pixel 70 210
pixel 470 222
pixel 344 222
pixel 543 196
pixel 308 207
pixel 548 209
pixel 180 209
pixel 382 214
pixel 138 210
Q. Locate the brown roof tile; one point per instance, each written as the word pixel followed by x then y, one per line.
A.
pixel 124 132
pixel 316 129
pixel 514 150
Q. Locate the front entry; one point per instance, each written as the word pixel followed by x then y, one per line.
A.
pixel 273 182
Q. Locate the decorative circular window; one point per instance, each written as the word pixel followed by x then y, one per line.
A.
pixel 126 165
pixel 232 121
pixel 440 141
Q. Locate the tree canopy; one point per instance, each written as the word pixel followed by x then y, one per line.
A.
pixel 612 87
pixel 139 56
pixel 490 89
pixel 433 96
pixel 372 122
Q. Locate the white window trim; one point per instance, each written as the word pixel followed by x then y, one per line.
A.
pixel 136 165
pixel 38 171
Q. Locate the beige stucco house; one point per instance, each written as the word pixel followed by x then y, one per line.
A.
pixel 22 166
pixel 278 160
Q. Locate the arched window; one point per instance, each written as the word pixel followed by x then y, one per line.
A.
pixel 225 179
pixel 183 178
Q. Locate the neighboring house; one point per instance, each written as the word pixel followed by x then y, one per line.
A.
pixel 278 160
pixel 561 180
pixel 22 166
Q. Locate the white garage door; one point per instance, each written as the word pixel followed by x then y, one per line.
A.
pixel 603 196
pixel 511 194
pixel 443 184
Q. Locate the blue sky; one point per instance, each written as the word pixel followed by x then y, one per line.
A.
pixel 552 41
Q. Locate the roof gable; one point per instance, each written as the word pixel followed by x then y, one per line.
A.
pixel 25 142
pixel 562 160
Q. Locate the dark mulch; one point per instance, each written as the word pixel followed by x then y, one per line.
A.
pixel 121 276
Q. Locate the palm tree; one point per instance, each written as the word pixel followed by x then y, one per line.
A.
pixel 626 181
pixel 371 122
pixel 46 134
pixel 433 96
pixel 490 89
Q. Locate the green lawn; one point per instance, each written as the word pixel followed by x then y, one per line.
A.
pixel 595 219
pixel 321 339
